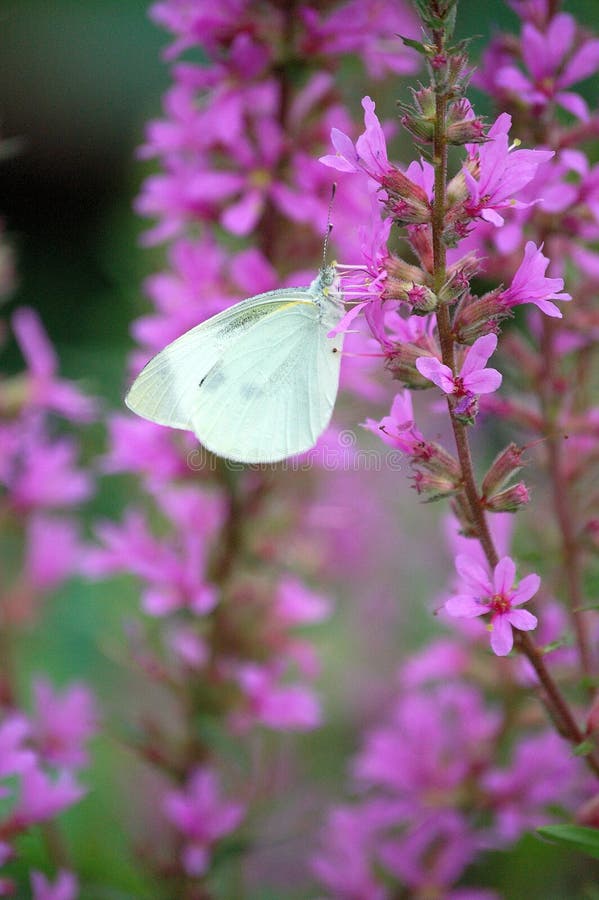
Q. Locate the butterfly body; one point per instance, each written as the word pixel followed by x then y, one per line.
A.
pixel 256 383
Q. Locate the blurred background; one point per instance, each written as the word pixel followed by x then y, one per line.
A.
pixel 78 81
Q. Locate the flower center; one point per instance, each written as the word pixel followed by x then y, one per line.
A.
pixel 499 603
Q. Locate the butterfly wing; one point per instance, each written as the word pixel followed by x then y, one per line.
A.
pixel 166 390
pixel 272 393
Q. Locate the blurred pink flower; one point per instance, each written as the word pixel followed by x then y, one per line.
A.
pixel 63 723
pixel 202 816
pixel 44 389
pixel 530 285
pixel 42 797
pixel 556 59
pixel 284 707
pixel 65 887
pixel 399 428
pixel 15 757
pixel 52 551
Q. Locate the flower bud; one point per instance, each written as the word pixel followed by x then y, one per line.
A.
pixel 403 271
pixel 468 132
pixel 463 127
pixel 503 468
pixel 425 101
pixel 478 316
pixel 402 365
pixel 509 500
pixel 435 458
pixel 408 202
pixel 422 299
pixel 421 241
pixel 434 486
pixel 422 129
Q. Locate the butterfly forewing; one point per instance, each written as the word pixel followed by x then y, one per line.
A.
pixel 257 382
pixel 164 391
pixel 273 392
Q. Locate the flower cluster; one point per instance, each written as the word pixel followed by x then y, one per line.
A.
pixel 505 214
pixel 42 753
pixel 431 794
pixel 209 544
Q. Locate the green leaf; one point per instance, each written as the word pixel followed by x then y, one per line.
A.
pixel 415 45
pixel 576 837
pixel 584 748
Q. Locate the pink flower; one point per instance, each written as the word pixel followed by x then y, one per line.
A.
pixel 398 429
pixel 296 605
pixel 65 887
pixel 369 154
pixel 522 792
pixel 496 596
pixel 202 816
pixel 44 389
pixel 46 476
pixel 529 284
pixel 15 758
pixel 556 59
pixel 473 379
pixel 43 798
pixel 52 551
pixel 284 707
pixel 502 173
pixel 62 723
pixel 344 863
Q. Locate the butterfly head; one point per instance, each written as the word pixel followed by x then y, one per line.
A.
pixel 327 277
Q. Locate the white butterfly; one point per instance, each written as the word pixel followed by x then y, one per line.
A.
pixel 256 383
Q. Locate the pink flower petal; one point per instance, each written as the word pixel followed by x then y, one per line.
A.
pixel 522 619
pixel 465 606
pixel 474 575
pixel 437 372
pixel 478 354
pixel 483 382
pixel 502 638
pixel 574 104
pixel 504 575
pixel 526 589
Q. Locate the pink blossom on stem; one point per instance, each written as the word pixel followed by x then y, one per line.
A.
pixel 52 551
pixel 473 379
pixel 44 389
pixel 556 59
pixel 284 707
pixel 42 797
pixel 497 596
pixel 398 429
pixel 65 887
pixel 202 816
pixel 63 723
pixel 15 756
pixel 502 173
pixel 530 285
pixel 368 155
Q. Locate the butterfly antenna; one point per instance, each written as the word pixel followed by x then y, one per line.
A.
pixel 329 226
